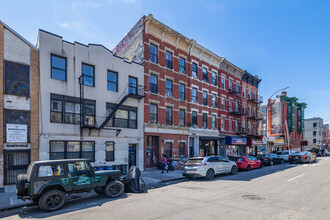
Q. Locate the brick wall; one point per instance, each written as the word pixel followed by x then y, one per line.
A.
pixel 1 106
pixel 34 85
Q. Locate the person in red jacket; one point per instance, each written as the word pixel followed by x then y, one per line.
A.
pixel 164 165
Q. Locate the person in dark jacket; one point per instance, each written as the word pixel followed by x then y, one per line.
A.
pixel 164 164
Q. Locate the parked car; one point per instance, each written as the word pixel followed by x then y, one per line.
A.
pixel 47 183
pixel 272 159
pixel 208 167
pixel 285 154
pixel 303 157
pixel 246 162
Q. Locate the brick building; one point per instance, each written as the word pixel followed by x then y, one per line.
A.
pixel 19 111
pixel 285 123
pixel 196 102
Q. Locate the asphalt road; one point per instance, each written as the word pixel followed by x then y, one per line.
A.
pixel 278 192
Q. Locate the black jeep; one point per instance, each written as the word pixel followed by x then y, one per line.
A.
pixel 48 183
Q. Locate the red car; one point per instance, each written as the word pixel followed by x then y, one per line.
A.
pixel 246 162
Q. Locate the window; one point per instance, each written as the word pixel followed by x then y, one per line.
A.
pixel 243 108
pixel 214 78
pixel 56 110
pixel 223 105
pixel 79 167
pixel 237 106
pixel 153 84
pixel 194 118
pixel 243 91
pixel 204 98
pixel 237 88
pixel 205 120
pixel 264 109
pixel 153 53
pixel 223 119
pixel 243 127
pixel 249 94
pixel 168 59
pixel 50 170
pixel 182 149
pixel 182 92
pixel 58 67
pixel 230 85
pixel 249 111
pixel 249 128
pixel 230 124
pixel 194 95
pixel 182 117
pixel 214 121
pixel 72 149
pixel 125 116
pixel 168 149
pixel 314 125
pixel 314 133
pixel 17 79
pixel 194 70
pixel 230 105
pixel 214 100
pixel 153 114
pixel 182 65
pixel 168 118
pixel 237 126
pixel 223 82
pixel 254 95
pixel 169 88
pixel 88 74
pixel 205 74
pixel 314 141
pixel 109 151
pixel 132 85
pixel 112 81
pixel 89 114
pixel 71 112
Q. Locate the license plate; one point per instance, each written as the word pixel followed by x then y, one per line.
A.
pixel 296 157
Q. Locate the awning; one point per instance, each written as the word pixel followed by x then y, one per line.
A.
pixel 209 138
pixel 236 140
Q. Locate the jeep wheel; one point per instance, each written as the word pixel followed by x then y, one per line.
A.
pixel 114 189
pixel 52 200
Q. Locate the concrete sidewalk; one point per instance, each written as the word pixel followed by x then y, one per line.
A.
pixel 152 176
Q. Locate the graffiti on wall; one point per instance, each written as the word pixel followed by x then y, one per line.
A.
pixel 131 46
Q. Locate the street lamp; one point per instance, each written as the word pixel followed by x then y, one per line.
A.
pixel 267 113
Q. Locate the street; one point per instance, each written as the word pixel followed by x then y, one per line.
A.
pixel 298 191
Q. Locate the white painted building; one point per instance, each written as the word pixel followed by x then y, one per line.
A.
pixel 107 80
pixel 313 132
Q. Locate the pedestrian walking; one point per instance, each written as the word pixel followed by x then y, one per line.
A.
pixel 164 164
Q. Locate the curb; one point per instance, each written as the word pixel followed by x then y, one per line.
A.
pixel 16 207
pixel 179 178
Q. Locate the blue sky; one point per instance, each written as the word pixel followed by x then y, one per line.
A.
pixel 284 42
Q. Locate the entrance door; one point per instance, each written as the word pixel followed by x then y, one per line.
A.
pixel 131 155
pixel 152 151
pixel 16 162
pixel 168 150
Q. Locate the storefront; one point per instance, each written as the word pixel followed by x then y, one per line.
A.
pixel 253 146
pixel 208 146
pixel 278 144
pixel 236 145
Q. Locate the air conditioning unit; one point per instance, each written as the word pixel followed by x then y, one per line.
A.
pixel 169 94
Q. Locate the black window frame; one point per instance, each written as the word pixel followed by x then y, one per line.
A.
pixel 110 155
pixel 194 70
pixel 214 100
pixel 182 94
pixel 51 66
pixel 169 63
pixel 168 118
pixel 112 82
pixel 153 86
pixel 133 86
pixel 130 123
pixel 194 98
pixel 204 119
pixel 84 75
pixel 182 117
pixel 156 114
pixel 194 118
pixel 182 68
pixel 214 78
pixel 214 123
pixel 204 98
pixel 66 152
pixel 205 78
pixel 152 55
pixel 169 90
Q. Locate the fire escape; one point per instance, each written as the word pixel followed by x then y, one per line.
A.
pixel 132 90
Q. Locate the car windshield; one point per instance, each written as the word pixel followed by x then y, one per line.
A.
pixel 279 153
pixel 190 161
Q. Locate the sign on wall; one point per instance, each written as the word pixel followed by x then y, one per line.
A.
pixel 16 133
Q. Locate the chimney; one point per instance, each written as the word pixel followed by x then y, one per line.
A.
pixel 284 93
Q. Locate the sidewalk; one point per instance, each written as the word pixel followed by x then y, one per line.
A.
pixel 152 176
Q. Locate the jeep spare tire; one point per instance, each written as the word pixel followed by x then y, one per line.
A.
pixel 22 185
pixel 52 200
pixel 114 189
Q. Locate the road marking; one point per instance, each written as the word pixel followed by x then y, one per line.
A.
pixel 295 177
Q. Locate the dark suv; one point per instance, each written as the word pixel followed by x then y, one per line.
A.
pixel 48 183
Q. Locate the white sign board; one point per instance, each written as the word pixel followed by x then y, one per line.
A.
pixel 16 133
